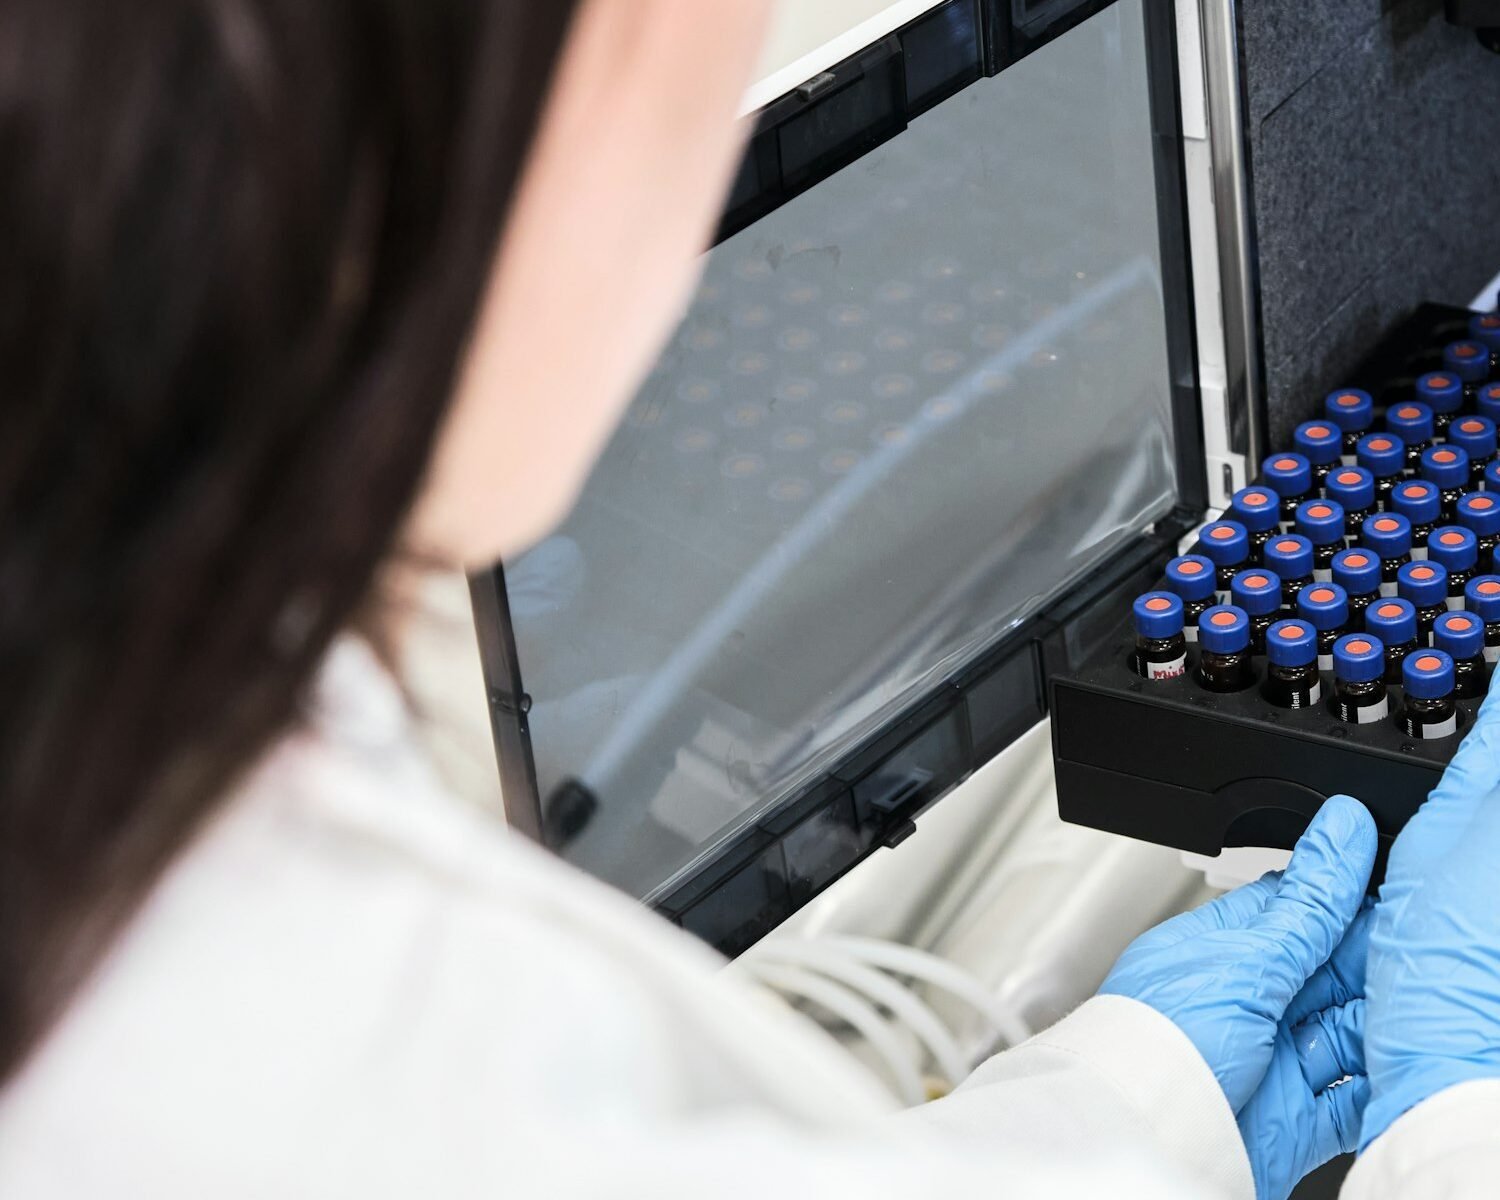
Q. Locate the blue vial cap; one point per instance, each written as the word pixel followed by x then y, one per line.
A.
pixel 1291 644
pixel 1358 658
pixel 1288 474
pixel 1225 543
pixel 1321 521
pixel 1427 675
pixel 1224 629
pixel 1482 597
pixel 1455 547
pixel 1388 534
pixel 1381 454
pixel 1323 606
pixel 1459 634
pixel 1411 422
pixel 1191 577
pixel 1479 512
pixel 1418 500
pixel 1441 391
pixel 1469 360
pixel 1351 409
pixel 1446 466
pixel 1474 435
pixel 1257 509
pixel 1353 487
pixel 1258 592
pixel 1290 556
pixel 1425 584
pixel 1318 441
pixel 1158 615
pixel 1488 401
pixel 1357 571
pixel 1485 327
pixel 1394 622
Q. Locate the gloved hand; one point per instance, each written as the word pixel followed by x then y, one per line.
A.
pixel 1434 971
pixel 1266 982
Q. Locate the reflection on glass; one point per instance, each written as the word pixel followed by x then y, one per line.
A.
pixel 903 412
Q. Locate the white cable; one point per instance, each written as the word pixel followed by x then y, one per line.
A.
pixel 919 1017
pixel 940 973
pixel 853 1010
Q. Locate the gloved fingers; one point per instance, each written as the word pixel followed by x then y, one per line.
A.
pixel 1342 978
pixel 1233 910
pixel 1320 894
pixel 1331 1045
pixel 1338 1114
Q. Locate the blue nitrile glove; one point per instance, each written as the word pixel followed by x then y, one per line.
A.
pixel 1434 973
pixel 1265 981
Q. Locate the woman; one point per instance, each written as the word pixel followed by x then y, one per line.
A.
pixel 292 301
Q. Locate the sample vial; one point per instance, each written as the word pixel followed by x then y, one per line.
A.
pixel 1258 594
pixel 1227 545
pixel 1389 536
pixel 1290 556
pixel 1448 468
pixel 1470 361
pixel 1290 477
pixel 1394 622
pixel 1353 411
pixel 1460 636
pixel 1482 598
pixel 1475 436
pixel 1322 444
pixel 1321 522
pixel 1425 584
pixel 1160 647
pixel 1193 579
pixel 1325 607
pixel 1359 695
pixel 1353 488
pixel 1487 402
pixel 1443 393
pixel 1458 550
pixel 1421 503
pixel 1259 511
pixel 1411 423
pixel 1486 328
pixel 1480 515
pixel 1384 457
pixel 1358 573
pixel 1429 711
pixel 1292 679
pixel 1224 658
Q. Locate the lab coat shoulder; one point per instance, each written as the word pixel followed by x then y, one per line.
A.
pixel 353 986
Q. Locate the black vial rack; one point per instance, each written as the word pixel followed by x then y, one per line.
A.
pixel 1168 761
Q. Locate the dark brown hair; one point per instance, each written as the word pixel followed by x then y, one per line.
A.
pixel 242 244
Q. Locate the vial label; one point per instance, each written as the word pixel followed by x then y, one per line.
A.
pixel 1304 697
pixel 1440 729
pixel 1323 575
pixel 1173 669
pixel 1190 632
pixel 1418 553
pixel 1492 654
pixel 1365 714
pixel 1388 589
pixel 1325 662
pixel 1455 603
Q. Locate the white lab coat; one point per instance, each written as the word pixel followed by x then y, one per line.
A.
pixel 353 986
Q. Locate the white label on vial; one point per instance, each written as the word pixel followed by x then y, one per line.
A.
pixel 1315 693
pixel 1190 632
pixel 1167 670
pixel 1223 598
pixel 1322 575
pixel 1492 654
pixel 1371 713
pixel 1441 730
pixel 1325 662
pixel 1348 460
pixel 1387 589
pixel 1455 603
pixel 1419 554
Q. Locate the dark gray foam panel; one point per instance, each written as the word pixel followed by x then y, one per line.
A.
pixel 1375 174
